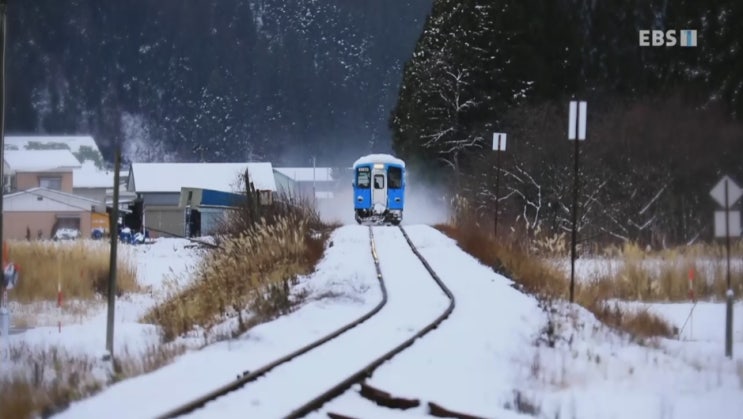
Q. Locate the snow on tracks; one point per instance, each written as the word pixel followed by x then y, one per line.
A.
pixel 466 364
pixel 414 299
pixel 346 272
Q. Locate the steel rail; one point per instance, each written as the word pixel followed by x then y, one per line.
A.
pixel 367 371
pixel 252 376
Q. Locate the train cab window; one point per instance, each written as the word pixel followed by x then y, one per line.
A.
pixel 363 178
pixel 378 181
pixel 394 178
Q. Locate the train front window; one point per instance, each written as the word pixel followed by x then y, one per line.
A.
pixel 378 181
pixel 363 178
pixel 394 178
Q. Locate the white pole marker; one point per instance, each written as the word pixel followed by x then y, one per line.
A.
pixel 577 120
pixel 572 119
pixel 582 112
pixel 499 141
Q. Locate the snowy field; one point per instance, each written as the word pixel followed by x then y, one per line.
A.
pixel 590 268
pixel 493 357
pixel 83 324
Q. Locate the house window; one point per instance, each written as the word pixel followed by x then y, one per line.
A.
pixel 9 184
pixel 51 182
pixel 265 197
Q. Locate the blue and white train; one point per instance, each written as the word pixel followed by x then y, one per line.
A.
pixel 379 189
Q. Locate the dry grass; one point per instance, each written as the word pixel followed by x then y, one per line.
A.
pixel 251 270
pixel 43 382
pixel 261 250
pixel 663 276
pixel 82 267
pixel 523 404
pixel 512 259
pixel 46 313
pixel 534 275
pixel 640 274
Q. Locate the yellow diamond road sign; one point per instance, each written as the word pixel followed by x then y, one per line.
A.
pixel 733 191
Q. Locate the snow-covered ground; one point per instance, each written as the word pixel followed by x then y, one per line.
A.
pixel 590 268
pixel 491 357
pixel 413 300
pixel 486 354
pixel 83 324
pixel 468 363
pixel 343 288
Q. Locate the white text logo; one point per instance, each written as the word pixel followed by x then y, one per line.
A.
pixel 669 38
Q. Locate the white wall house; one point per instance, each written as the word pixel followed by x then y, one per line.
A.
pixel 26 169
pixel 37 213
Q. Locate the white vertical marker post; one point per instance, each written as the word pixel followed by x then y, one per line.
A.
pixel 499 144
pixel 577 133
pixel 727 223
pixel 4 315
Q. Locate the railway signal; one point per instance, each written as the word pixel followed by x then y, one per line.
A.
pixel 499 144
pixel 727 223
pixel 576 133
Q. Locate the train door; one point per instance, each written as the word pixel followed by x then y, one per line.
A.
pixel 379 191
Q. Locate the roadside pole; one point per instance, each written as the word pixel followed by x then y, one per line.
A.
pixel 114 222
pixel 693 299
pixel 4 313
pixel 576 122
pixel 499 145
pixel 726 192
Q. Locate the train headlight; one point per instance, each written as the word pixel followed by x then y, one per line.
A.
pixel 378 165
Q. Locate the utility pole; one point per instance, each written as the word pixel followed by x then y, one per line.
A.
pixel 114 222
pixel 576 122
pixel 3 10
pixel 729 293
pixel 4 313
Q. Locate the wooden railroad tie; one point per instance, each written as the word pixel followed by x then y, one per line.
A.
pixel 441 412
pixel 385 399
pixel 332 415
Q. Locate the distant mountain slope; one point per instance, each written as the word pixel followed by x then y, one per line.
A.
pixel 219 80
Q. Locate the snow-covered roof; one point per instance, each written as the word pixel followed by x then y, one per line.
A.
pixel 74 142
pixel 378 158
pixel 171 177
pixel 307 174
pixel 41 160
pixel 90 176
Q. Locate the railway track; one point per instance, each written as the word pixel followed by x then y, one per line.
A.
pixel 367 371
pixel 254 375
pixel 341 385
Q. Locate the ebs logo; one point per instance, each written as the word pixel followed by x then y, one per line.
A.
pixel 659 38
